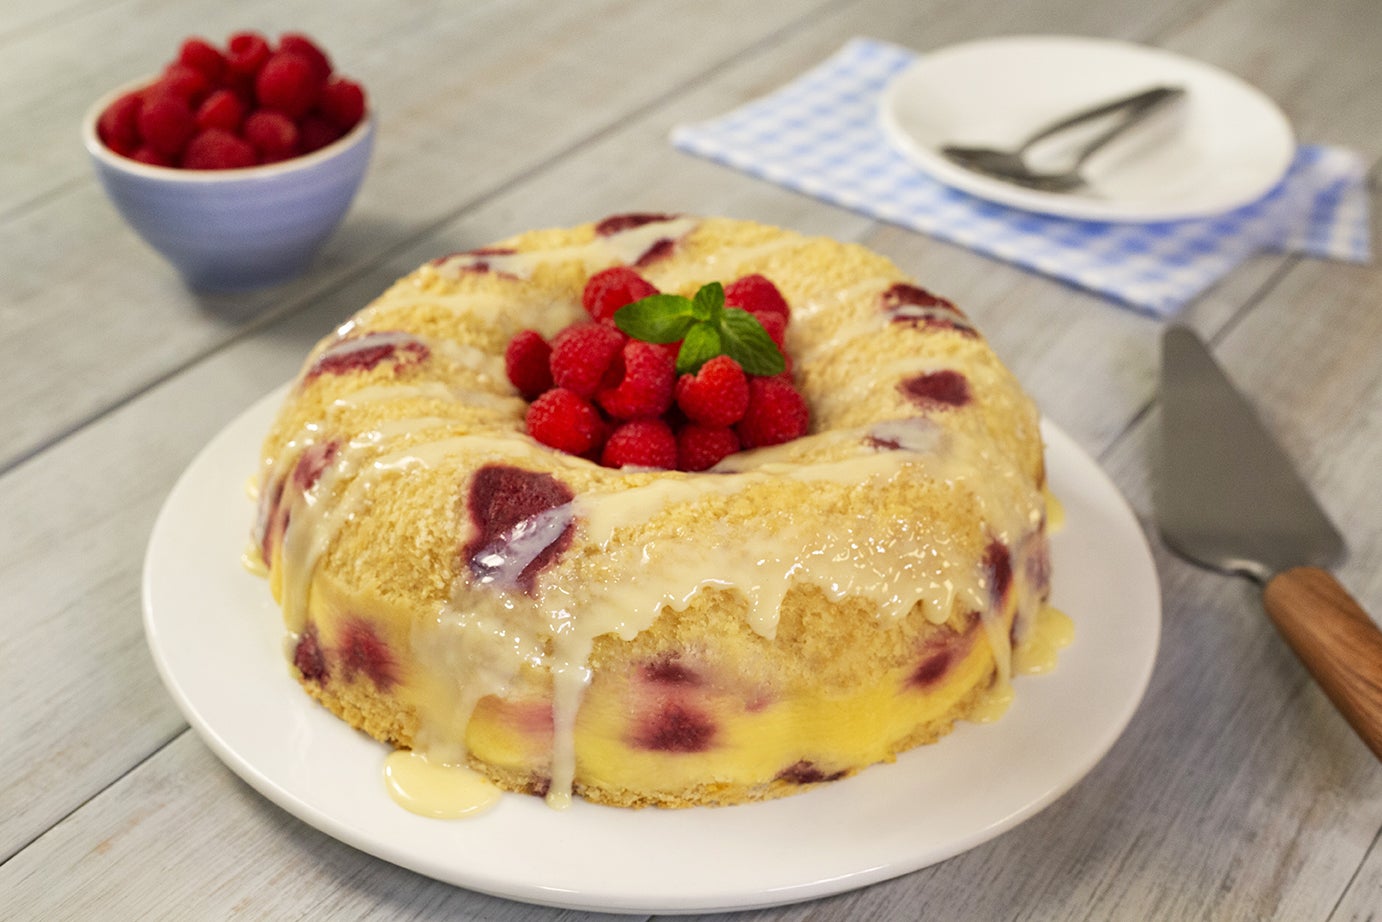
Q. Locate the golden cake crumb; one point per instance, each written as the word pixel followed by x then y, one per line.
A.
pixel 786 619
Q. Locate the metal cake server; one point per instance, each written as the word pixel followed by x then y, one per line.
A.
pixel 1229 498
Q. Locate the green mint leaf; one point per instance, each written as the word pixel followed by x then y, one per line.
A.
pixel 709 302
pixel 702 343
pixel 706 329
pixel 656 318
pixel 745 341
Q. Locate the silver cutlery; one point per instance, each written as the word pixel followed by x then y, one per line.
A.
pixel 1012 165
pixel 1228 498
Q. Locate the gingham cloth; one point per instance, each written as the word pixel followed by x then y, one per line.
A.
pixel 821 135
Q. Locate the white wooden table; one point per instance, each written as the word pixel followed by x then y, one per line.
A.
pixel 1236 793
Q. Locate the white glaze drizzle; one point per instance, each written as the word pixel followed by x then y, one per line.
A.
pixel 427 787
pixel 811 310
pixel 724 266
pixel 489 644
pixel 622 247
pixel 347 344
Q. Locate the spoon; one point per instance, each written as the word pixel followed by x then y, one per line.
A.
pixel 1011 165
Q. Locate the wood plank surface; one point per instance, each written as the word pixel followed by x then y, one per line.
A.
pixel 467 106
pixel 1236 792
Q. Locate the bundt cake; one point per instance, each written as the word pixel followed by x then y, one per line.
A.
pixel 637 636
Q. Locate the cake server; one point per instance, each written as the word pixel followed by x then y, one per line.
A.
pixel 1230 499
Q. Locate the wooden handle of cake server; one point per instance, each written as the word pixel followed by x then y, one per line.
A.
pixel 1336 640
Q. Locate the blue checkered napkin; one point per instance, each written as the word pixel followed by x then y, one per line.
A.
pixel 821 135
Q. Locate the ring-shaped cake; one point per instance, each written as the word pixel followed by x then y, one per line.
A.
pixel 637 637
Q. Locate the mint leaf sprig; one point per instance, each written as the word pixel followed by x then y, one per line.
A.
pixel 705 327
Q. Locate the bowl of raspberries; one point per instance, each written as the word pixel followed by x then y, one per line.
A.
pixel 236 162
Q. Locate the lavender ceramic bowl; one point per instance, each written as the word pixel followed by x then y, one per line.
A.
pixel 231 230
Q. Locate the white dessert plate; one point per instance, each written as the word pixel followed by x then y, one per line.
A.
pixel 219 644
pixel 1224 145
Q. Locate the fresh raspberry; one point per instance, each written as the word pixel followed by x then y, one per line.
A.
pixel 774 324
pixel 272 134
pixel 776 414
pixel 152 157
pixel 342 102
pixel 641 443
pixel 187 82
pixel 118 125
pixel 717 395
pixel 289 83
pixel 222 109
pixel 166 123
pixel 702 447
pixel 566 421
pixel 242 85
pixel 300 44
pixel 582 355
pixel 756 293
pixel 218 149
pixel 315 132
pixel 645 387
pixel 527 360
pixel 246 53
pixel 201 55
pixel 611 289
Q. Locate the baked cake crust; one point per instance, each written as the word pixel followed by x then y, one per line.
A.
pixel 654 637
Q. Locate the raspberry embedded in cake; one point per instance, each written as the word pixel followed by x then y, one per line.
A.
pixel 676 728
pixel 308 656
pixel 998 563
pixel 619 223
pixel 806 772
pixel 360 651
pixel 914 305
pixel 670 670
pixel 931 669
pixel 314 461
pixel 937 389
pixel 364 352
pixel 522 522
pixel 644 229
pixel 940 653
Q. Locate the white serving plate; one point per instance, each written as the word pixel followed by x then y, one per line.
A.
pixel 1224 145
pixel 218 641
